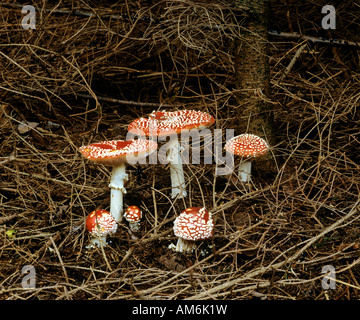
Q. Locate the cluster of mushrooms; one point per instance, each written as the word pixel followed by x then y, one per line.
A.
pixel 194 223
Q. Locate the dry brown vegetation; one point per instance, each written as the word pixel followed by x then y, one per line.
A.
pixel 92 75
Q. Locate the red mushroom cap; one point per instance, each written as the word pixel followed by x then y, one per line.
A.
pixel 162 123
pixel 114 152
pixel 101 223
pixel 194 223
pixel 247 145
pixel 133 214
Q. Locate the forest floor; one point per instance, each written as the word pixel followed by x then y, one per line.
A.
pixel 83 79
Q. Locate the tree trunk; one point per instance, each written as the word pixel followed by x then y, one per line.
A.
pixel 253 77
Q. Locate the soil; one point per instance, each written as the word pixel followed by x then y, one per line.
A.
pixel 83 79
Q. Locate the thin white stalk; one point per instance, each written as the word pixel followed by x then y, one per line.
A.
pixel 183 245
pixel 176 169
pixel 118 177
pixel 134 226
pixel 244 173
pixel 97 242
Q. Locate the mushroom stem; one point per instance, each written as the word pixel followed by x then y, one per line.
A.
pixel 133 230
pixel 134 226
pixel 98 241
pixel 176 169
pixel 183 245
pixel 244 173
pixel 118 176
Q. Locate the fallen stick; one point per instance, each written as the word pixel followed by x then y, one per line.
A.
pixel 320 40
pixel 7 218
pixel 125 102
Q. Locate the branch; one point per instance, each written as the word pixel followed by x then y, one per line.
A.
pixel 320 40
pixel 8 218
pixel 126 102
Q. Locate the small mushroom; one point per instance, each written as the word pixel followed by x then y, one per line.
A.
pixel 193 224
pixel 116 153
pixel 100 223
pixel 162 124
pixel 133 215
pixel 247 146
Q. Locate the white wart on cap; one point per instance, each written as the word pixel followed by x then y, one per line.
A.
pixel 193 224
pixel 247 146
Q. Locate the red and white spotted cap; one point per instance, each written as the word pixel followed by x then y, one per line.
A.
pixel 247 145
pixel 194 223
pixel 114 152
pixel 101 223
pixel 133 214
pixel 163 123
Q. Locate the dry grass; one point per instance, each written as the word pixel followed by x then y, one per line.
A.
pixel 271 239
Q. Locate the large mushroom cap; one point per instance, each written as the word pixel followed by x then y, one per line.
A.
pixel 247 145
pixel 114 152
pixel 101 223
pixel 194 223
pixel 162 123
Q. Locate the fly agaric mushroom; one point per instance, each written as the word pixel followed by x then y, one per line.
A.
pixel 193 224
pixel 162 124
pixel 247 146
pixel 133 215
pixel 100 223
pixel 116 153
